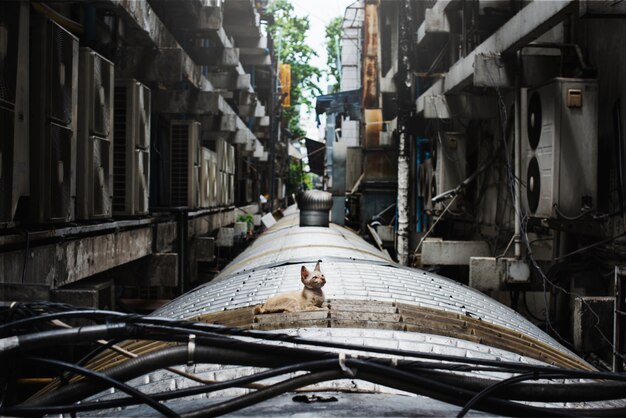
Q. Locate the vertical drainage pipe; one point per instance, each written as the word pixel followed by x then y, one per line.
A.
pixel 403 201
pixel 518 155
pixel 405 105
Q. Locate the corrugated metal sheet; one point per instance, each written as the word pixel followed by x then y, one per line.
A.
pixel 354 270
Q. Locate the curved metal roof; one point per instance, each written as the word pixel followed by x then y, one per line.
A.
pixel 371 303
pixel 354 270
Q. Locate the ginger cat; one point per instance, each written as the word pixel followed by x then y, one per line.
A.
pixel 310 298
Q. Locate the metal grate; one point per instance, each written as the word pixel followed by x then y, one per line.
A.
pixel 63 45
pixel 101 176
pixel 102 96
pixel 120 135
pixel 179 179
pixel 9 17
pixel 60 175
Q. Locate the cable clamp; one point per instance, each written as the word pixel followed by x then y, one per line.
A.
pixel 191 349
pixel 344 367
pixel 394 362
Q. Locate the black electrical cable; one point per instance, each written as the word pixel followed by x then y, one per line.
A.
pixel 525 393
pixel 266 393
pixel 270 357
pixel 304 353
pixel 109 381
pixel 96 351
pixel 318 365
pixel 167 357
pixel 137 330
pixel 86 333
pixel 92 313
pixel 392 377
pixel 598 412
pixel 490 389
pixel 193 327
pixel 283 337
pixel 66 336
pixel 142 365
pixel 543 392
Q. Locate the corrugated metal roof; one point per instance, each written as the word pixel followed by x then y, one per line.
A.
pixel 354 270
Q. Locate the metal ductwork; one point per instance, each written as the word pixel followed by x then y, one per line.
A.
pixel 315 206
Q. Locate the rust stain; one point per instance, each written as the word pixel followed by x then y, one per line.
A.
pixel 370 56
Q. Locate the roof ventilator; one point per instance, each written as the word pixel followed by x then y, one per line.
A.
pixel 314 207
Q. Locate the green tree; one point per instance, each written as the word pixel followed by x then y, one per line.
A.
pixel 290 31
pixel 333 51
pixel 298 180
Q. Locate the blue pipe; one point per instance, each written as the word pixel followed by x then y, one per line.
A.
pixel 419 205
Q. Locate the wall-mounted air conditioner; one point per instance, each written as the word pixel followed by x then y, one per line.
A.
pixel 14 176
pixel 185 163
pixel 94 163
pixel 208 178
pixel 225 155
pixel 230 167
pixel 213 180
pixel 231 189
pixel 245 191
pixel 222 188
pixel 449 167
pixel 131 155
pixel 53 98
pixel 560 148
pixel 426 183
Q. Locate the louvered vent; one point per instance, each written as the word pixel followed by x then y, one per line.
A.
pixel 142 181
pixel 8 51
pixel 120 136
pixel 60 172
pixel 179 185
pixel 102 79
pixel 61 74
pixel 101 177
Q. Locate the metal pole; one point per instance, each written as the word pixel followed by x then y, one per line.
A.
pixel 619 339
pixel 405 104
pixel 182 237
pixel 275 124
pixel 403 201
pixel 518 166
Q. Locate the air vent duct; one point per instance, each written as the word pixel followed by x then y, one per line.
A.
pixel 315 206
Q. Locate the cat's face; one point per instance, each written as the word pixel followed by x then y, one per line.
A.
pixel 314 279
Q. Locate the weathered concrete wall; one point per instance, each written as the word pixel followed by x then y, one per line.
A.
pixel 67 262
pixel 58 264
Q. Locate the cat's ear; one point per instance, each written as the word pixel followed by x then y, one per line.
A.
pixel 317 266
pixel 304 273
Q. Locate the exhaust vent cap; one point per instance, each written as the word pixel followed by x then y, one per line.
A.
pixel 315 206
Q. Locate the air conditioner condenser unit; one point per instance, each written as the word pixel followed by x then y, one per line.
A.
pixel 560 148
pixel 185 163
pixel 94 163
pixel 131 157
pixel 53 108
